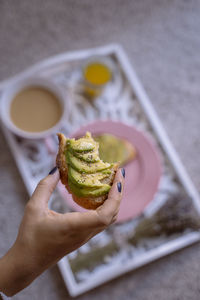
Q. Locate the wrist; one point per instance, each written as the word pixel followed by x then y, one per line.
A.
pixel 16 272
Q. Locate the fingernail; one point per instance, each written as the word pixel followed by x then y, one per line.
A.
pixel 119 187
pixel 123 172
pixel 53 171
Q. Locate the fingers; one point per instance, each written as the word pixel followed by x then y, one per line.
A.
pixel 46 187
pixel 109 210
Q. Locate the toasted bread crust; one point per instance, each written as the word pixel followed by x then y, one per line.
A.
pixel 61 160
pixel 86 202
pixel 131 152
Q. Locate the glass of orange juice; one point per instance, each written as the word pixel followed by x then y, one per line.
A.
pixel 97 73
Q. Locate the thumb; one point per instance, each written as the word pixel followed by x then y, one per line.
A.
pixel 46 187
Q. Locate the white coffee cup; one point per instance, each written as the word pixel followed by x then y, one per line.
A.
pixel 18 86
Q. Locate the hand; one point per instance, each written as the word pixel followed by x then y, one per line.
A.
pixel 45 236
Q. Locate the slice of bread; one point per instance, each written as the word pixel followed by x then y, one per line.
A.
pixel 86 202
pixel 113 148
pixel 130 152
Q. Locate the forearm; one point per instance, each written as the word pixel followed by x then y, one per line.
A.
pixel 15 275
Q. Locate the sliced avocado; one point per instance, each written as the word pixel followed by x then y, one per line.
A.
pixel 111 148
pixel 86 180
pixel 107 171
pixel 84 144
pixel 84 167
pixel 91 156
pixel 84 192
pixel 86 170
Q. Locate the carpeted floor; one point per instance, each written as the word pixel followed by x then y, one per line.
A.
pixel 162 40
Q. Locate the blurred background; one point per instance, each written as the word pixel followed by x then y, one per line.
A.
pixel 162 41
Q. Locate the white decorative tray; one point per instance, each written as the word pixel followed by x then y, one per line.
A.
pixel 169 223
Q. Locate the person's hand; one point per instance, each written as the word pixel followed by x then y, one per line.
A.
pixel 45 236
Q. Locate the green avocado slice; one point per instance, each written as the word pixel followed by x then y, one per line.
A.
pixel 84 192
pixel 91 156
pixel 84 167
pixel 84 144
pixel 86 180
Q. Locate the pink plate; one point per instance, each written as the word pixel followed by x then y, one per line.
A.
pixel 142 174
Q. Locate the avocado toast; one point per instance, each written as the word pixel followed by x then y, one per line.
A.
pixel 113 148
pixel 83 173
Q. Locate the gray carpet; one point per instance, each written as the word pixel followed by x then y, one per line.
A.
pixel 162 40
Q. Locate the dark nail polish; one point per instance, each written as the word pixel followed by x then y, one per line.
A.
pixel 119 186
pixel 123 172
pixel 53 171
